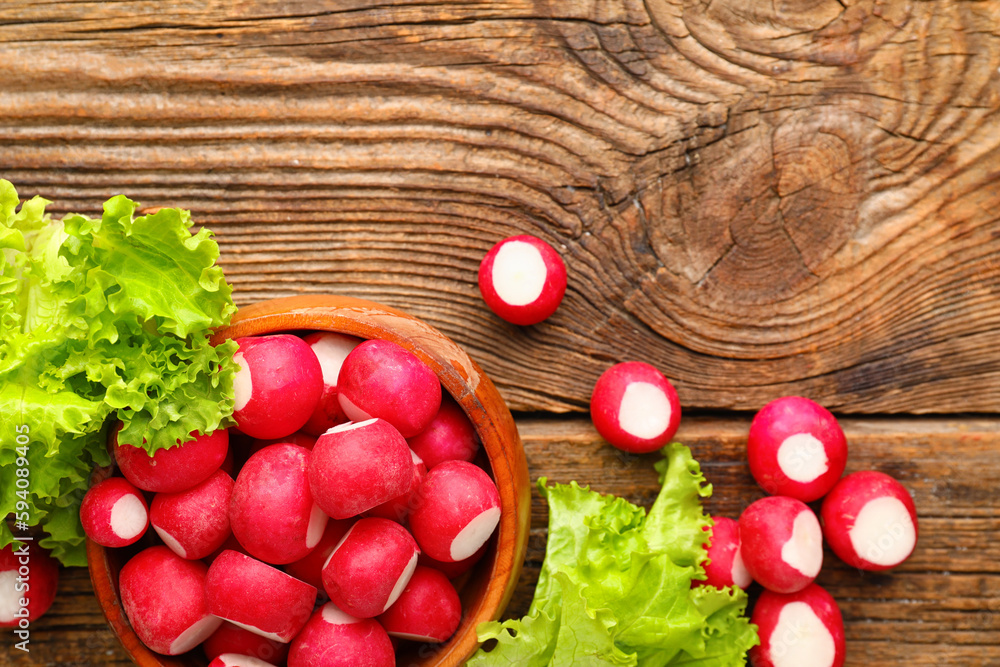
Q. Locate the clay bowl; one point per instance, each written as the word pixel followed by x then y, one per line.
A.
pixel 487 589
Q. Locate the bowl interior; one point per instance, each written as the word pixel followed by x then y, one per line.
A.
pixel 486 590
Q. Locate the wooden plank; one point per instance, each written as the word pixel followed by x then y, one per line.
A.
pixel 941 607
pixel 760 198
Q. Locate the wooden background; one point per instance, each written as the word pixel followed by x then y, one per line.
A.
pixel 760 197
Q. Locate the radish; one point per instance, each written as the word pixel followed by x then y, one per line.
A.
pixel 456 569
pixel 725 566
pixel 634 407
pixel 237 660
pixel 277 386
pixel 114 513
pixel 796 629
pixel 29 577
pixel 310 568
pixel 359 465
pixel 272 511
pixel 449 437
pixel 781 543
pixel 258 597
pixel 522 279
pixel 456 511
pixel 300 438
pixel 796 448
pixel 195 522
pixel 870 521
pixel 367 571
pixel 230 638
pixel 174 469
pixel 231 544
pixel 333 638
pixel 398 508
pixel 381 379
pixel 330 349
pixel 163 596
pixel 429 609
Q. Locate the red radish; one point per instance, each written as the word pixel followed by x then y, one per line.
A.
pixel 272 511
pixel 231 638
pixel 522 279
pixel 781 543
pixel 870 521
pixel 163 596
pixel 796 448
pixel 333 638
pixel 277 386
pixel 174 469
pixel 331 349
pixel 258 597
pixel 428 610
pixel 237 660
pixel 195 522
pixel 359 465
pixel 381 379
pixel 310 568
pixel 725 566
pixel 367 571
pixel 634 407
pixel 114 513
pixel 29 577
pixel 398 508
pixel 449 437
pixel 456 511
pixel 796 629
pixel 300 438
pixel 456 569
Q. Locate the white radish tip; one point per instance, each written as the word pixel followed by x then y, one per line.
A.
pixel 198 632
pixel 172 542
pixel 741 576
pixel 273 636
pixel 883 532
pixel 519 273
pixel 317 524
pixel 9 599
pixel 331 349
pixel 128 517
pixel 353 412
pixel 404 579
pixel 802 457
pixel 242 382
pixel 334 615
pixel 644 411
pixel 475 534
pixel 804 549
pixel 800 638
pixel 350 426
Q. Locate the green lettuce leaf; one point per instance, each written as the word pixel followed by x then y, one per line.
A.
pixel 101 320
pixel 615 586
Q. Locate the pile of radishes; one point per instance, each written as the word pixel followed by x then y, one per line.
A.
pixel 358 486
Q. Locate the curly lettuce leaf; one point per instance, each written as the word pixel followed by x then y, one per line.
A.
pixel 615 586
pixel 102 319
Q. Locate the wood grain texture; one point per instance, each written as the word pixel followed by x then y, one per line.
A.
pixel 941 607
pixel 759 197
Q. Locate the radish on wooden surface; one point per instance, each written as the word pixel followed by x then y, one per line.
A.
pixel 782 543
pixel 333 638
pixel 634 407
pixel 277 386
pixel 367 571
pixel 870 521
pixel 382 379
pixel 725 566
pixel 310 568
pixel 174 469
pixel 449 437
pixel 231 638
pixel 796 448
pixel 359 465
pixel 798 629
pixel 195 522
pixel 428 610
pixel 272 511
pixel 29 577
pixel 331 349
pixel 398 509
pixel 522 279
pixel 456 510
pixel 114 513
pixel 257 596
pixel 164 597
pixel 238 660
